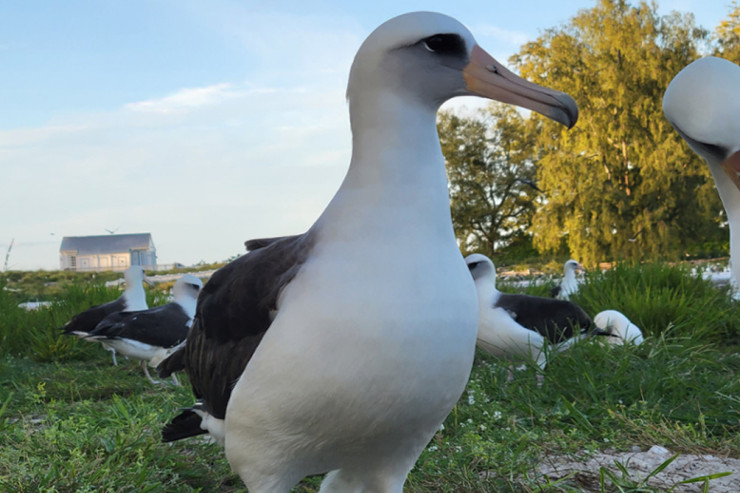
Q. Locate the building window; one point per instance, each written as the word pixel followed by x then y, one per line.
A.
pixel 73 262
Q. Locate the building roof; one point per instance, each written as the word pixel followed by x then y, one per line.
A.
pixel 88 245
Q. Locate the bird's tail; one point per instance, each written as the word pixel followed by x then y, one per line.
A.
pixel 172 363
pixel 186 424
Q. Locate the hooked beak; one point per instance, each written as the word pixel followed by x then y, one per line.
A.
pixel 486 77
pixel 148 281
pixel 731 165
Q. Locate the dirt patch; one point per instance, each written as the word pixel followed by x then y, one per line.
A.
pixel 640 464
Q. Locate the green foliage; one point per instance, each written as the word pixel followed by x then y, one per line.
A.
pixel 621 184
pixel 727 35
pixel 663 299
pixel 491 176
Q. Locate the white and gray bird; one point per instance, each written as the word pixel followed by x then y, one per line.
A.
pixel 617 328
pixel 151 335
pixel 518 326
pixel 570 283
pixel 133 298
pixel 347 356
pixel 702 103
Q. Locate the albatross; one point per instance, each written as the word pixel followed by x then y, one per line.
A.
pixel 702 103
pixel 151 335
pixel 519 326
pixel 330 351
pixel 618 328
pixel 569 284
pixel 133 298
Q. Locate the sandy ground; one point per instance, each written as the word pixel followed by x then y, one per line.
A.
pixel 641 463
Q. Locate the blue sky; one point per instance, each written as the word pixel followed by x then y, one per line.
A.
pixel 203 122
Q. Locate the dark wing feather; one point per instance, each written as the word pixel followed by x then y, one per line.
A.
pixel 163 326
pixel 186 424
pixel 87 320
pixel 554 292
pixel 173 363
pixel 233 314
pixel 557 320
pixel 257 243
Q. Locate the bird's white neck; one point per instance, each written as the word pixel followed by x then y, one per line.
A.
pixel 487 293
pixel 730 196
pixel 396 179
pixel 135 296
pixel 187 303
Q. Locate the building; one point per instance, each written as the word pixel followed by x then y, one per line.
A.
pixel 107 252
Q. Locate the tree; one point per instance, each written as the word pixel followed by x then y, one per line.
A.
pixel 727 36
pixel 492 192
pixel 621 184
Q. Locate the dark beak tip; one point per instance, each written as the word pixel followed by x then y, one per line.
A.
pixel 570 108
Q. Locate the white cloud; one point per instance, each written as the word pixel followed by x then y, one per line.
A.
pixel 202 169
pixel 513 38
pixel 185 99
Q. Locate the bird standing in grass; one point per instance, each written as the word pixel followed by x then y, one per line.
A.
pixel 570 283
pixel 151 335
pixel 342 350
pixel 133 298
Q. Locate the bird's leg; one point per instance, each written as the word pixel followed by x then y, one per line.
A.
pixel 175 381
pixel 113 353
pixel 146 372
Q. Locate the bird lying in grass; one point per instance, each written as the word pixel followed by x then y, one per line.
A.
pixel 519 326
pixel 617 328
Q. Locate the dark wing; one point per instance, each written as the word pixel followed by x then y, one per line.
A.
pixel 186 424
pixel 554 292
pixel 173 363
pixel 162 326
pixel 87 320
pixel 257 243
pixel 557 320
pixel 235 309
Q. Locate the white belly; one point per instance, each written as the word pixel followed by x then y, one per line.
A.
pixel 369 366
pixel 133 349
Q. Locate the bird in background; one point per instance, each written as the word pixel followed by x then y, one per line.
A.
pixel 570 284
pixel 520 326
pixel 151 335
pixel 132 299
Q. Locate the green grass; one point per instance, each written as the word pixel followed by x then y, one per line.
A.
pixel 75 423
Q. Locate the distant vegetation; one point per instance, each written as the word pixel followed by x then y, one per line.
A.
pixel 621 184
pixel 51 284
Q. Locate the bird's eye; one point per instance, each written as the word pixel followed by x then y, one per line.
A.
pixel 445 44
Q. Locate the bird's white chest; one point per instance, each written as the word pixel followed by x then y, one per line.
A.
pixel 373 345
pixel 378 313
